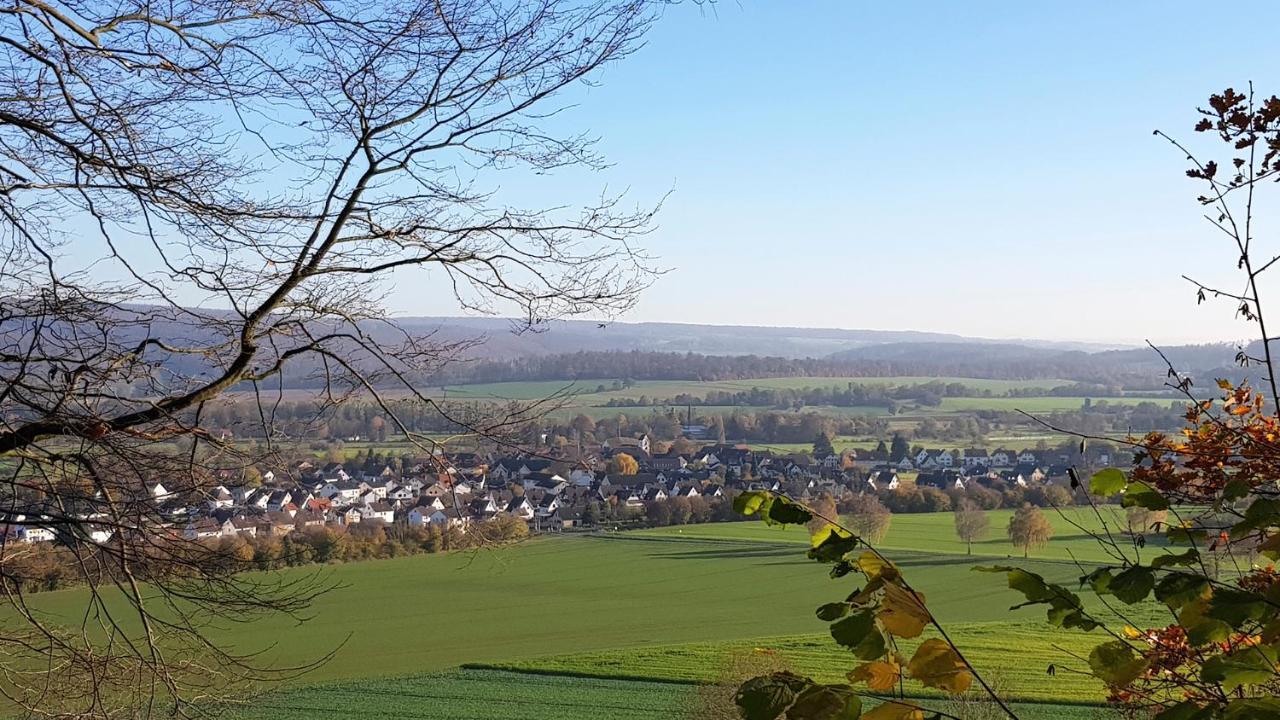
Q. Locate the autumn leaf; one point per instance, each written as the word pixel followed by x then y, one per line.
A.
pixel 873 565
pixel 902 612
pixel 938 665
pixel 880 675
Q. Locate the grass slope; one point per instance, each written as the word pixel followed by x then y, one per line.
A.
pixel 1020 675
pixel 485 694
pixel 475 695
pixel 934 533
pixel 574 594
pixel 638 594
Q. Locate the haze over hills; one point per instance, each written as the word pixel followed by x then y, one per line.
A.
pixel 562 336
pixel 579 349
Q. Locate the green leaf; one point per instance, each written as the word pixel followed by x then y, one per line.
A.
pixel 1201 630
pixel 1188 558
pixel 1246 666
pixel 768 696
pixel 1185 711
pixel 1258 708
pixel 872 647
pixel 1099 580
pixel 1108 482
pixel 1140 494
pixel 852 630
pixel 1234 490
pixel 1065 609
pixel 1236 607
pixel 749 503
pixel 1133 585
pixel 784 511
pixel 826 702
pixel 831 544
pixel 1116 664
pixel 859 633
pixel 1264 512
pixel 832 611
pixel 1178 589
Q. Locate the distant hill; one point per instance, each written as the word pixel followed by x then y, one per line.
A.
pixel 577 349
pixel 564 336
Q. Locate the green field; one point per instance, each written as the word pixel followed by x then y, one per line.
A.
pixel 485 694
pixel 638 598
pixel 986 645
pixel 1037 404
pixel 475 695
pixel 586 390
pixel 584 396
pixel 934 533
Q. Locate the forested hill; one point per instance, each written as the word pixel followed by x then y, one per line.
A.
pixel 563 336
pixel 1131 369
pixel 580 350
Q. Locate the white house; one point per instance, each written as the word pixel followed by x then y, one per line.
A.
pixel 220 497
pixel 378 511
pixel 422 516
pixel 521 508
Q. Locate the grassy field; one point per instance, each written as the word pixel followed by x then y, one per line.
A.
pixel 934 534
pixel 485 694
pixel 589 398
pixel 586 390
pixel 1035 404
pixel 1021 675
pixel 640 598
pixel 475 695
pixel 575 594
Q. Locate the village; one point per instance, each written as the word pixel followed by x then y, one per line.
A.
pixel 562 489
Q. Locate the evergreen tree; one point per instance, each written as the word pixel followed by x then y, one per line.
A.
pixel 822 446
pixel 899 448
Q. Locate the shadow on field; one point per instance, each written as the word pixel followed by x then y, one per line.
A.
pixel 726 553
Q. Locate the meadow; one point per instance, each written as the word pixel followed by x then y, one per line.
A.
pixel 627 605
pixel 587 390
pixel 592 397
pixel 489 694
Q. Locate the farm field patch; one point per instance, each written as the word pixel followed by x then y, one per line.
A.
pixel 1021 675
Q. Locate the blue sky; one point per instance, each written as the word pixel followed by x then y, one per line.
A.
pixel 980 168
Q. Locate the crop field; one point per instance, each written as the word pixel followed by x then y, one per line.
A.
pixel 1021 675
pixel 587 390
pixel 475 695
pixel 1036 404
pixel 641 598
pixel 934 533
pixel 574 594
pixel 592 397
pixel 488 694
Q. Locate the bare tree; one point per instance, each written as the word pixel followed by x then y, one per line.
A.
pixel 205 196
pixel 868 517
pixel 971 523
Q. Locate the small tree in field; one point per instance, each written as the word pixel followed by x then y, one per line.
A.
pixel 822 446
pixel 869 518
pixel 1029 529
pixel 823 507
pixel 972 523
pixel 1140 520
pixel 623 464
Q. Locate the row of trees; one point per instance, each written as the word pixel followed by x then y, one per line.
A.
pixel 54 566
pixel 1100 374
